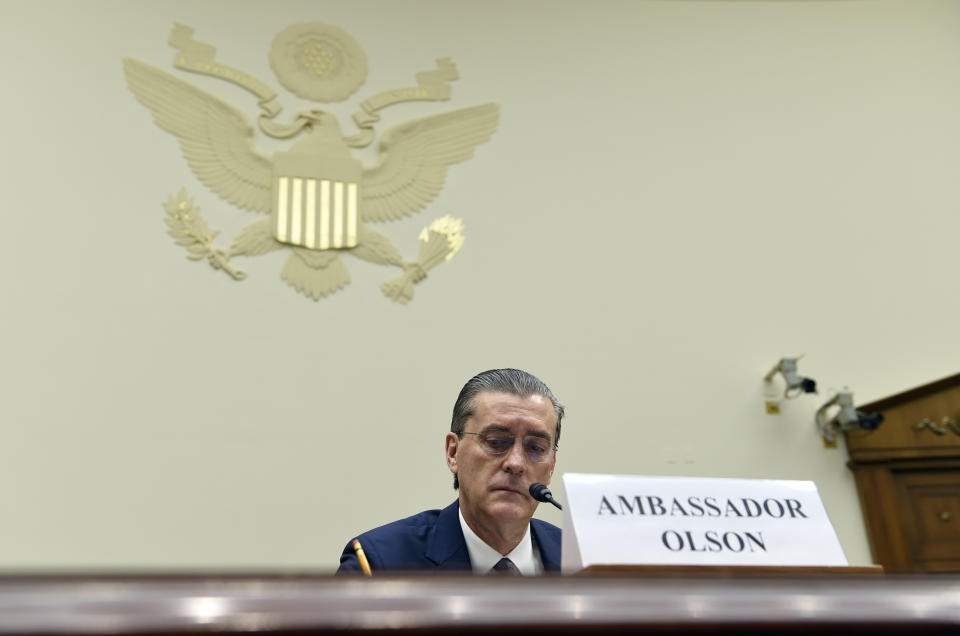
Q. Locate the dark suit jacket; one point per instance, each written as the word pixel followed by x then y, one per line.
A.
pixel 433 540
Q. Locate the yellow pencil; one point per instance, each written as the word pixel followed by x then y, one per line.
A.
pixel 364 564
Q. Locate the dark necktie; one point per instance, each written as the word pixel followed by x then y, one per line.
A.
pixel 505 567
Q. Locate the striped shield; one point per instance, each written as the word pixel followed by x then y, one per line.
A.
pixel 315 200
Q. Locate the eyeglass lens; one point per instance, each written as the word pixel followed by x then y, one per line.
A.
pixel 535 447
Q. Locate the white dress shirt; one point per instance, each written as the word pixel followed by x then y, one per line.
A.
pixel 483 557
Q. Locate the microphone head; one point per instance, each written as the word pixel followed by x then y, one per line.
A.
pixel 540 492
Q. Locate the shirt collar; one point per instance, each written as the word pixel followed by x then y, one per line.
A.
pixel 483 557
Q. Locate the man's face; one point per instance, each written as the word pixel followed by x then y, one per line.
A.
pixel 494 489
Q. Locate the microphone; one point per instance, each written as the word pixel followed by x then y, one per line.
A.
pixel 541 493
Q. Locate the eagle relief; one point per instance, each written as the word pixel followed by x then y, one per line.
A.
pixel 320 202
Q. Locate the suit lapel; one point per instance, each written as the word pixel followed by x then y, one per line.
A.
pixel 447 549
pixel 549 548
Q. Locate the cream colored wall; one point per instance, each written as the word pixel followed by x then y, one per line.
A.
pixel 678 194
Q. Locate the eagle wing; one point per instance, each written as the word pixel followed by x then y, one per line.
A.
pixel 216 139
pixel 414 157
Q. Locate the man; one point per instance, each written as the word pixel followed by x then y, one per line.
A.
pixel 503 437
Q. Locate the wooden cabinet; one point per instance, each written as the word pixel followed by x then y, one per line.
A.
pixel 908 477
pixel 931 499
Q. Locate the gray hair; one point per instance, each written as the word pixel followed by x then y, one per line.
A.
pixel 512 381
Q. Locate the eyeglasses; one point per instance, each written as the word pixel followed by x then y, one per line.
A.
pixel 536 448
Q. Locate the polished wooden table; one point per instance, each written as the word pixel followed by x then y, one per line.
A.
pixel 675 603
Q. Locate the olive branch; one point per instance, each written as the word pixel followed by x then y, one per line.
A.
pixel 188 228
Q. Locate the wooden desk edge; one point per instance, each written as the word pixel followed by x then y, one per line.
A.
pixel 734 570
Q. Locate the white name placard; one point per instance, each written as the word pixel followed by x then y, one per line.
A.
pixel 634 520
